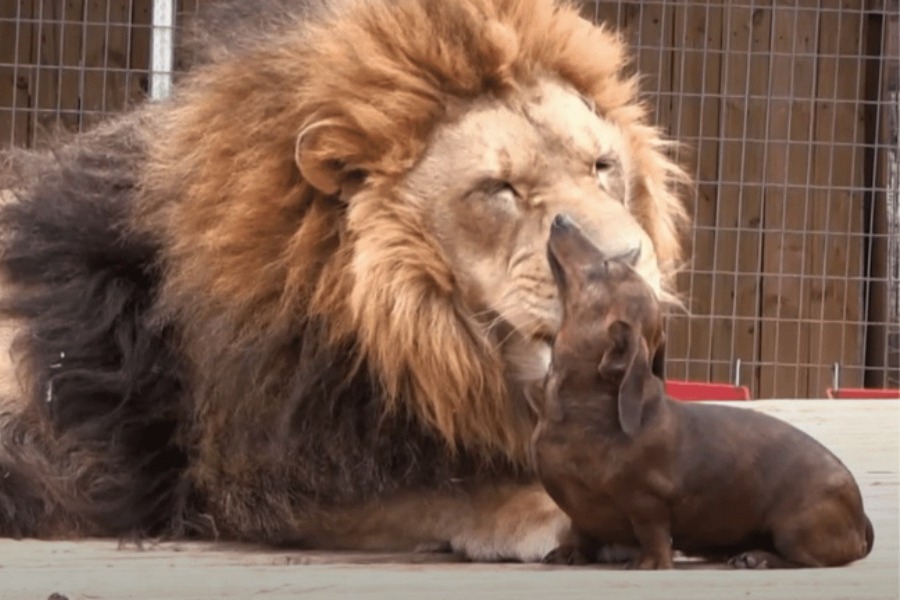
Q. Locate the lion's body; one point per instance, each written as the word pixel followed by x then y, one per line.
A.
pixel 240 313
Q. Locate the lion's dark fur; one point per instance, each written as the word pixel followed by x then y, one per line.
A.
pixel 100 375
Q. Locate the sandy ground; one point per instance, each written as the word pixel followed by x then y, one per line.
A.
pixel 865 434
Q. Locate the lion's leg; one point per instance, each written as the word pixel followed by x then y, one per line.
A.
pixel 488 522
pixel 522 523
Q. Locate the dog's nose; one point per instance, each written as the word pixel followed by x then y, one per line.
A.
pixel 562 222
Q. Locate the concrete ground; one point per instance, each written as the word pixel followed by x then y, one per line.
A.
pixel 864 434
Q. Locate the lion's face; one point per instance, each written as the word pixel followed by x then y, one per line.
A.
pixel 490 184
pixel 395 211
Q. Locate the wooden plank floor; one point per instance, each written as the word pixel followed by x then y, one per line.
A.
pixel 863 433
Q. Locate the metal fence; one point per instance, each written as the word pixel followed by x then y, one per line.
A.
pixel 789 116
pixel 67 64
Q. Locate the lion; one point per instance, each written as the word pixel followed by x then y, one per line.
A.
pixel 302 300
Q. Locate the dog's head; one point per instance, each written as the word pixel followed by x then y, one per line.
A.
pixel 612 328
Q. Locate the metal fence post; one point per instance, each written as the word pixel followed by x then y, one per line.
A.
pixel 162 48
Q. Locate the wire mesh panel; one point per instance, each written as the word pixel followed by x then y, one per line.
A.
pixel 68 63
pixel 788 113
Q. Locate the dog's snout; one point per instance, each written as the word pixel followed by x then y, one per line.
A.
pixel 569 248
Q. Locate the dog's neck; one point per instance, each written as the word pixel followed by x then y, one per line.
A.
pixel 582 398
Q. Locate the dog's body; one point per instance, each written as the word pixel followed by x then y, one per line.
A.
pixel 630 465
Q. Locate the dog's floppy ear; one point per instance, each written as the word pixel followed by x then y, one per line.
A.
pixel 542 396
pixel 627 358
pixel 658 365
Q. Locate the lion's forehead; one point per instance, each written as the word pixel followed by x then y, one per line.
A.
pixel 546 121
pixel 561 115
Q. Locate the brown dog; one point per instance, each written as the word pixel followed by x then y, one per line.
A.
pixel 631 466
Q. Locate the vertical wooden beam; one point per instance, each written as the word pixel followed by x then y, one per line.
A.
pixel 96 55
pixel 47 61
pixel 834 295
pixel 696 75
pixel 69 32
pixel 139 65
pixel 15 75
pixel 58 67
pixel 786 256
pixel 611 13
pixel 746 71
pixel 654 56
pixel 118 52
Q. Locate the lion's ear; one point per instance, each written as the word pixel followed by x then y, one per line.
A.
pixel 319 154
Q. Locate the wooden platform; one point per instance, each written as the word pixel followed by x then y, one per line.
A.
pixel 865 434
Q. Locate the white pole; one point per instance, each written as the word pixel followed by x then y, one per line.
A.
pixel 163 48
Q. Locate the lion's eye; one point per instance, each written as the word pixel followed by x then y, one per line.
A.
pixel 505 187
pixel 602 165
pixel 497 196
pixel 602 169
pixel 499 188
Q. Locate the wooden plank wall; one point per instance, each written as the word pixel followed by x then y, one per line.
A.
pixel 768 97
pixel 65 64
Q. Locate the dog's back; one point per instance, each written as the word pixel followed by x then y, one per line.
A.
pixel 744 475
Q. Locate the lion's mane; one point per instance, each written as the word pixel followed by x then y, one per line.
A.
pixel 212 325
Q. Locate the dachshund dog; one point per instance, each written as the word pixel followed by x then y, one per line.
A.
pixel 631 466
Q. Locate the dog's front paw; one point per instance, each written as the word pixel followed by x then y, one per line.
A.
pixel 748 560
pixel 650 562
pixel 617 554
pixel 568 554
pixel 759 559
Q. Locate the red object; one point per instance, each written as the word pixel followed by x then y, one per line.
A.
pixel 862 394
pixel 695 390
